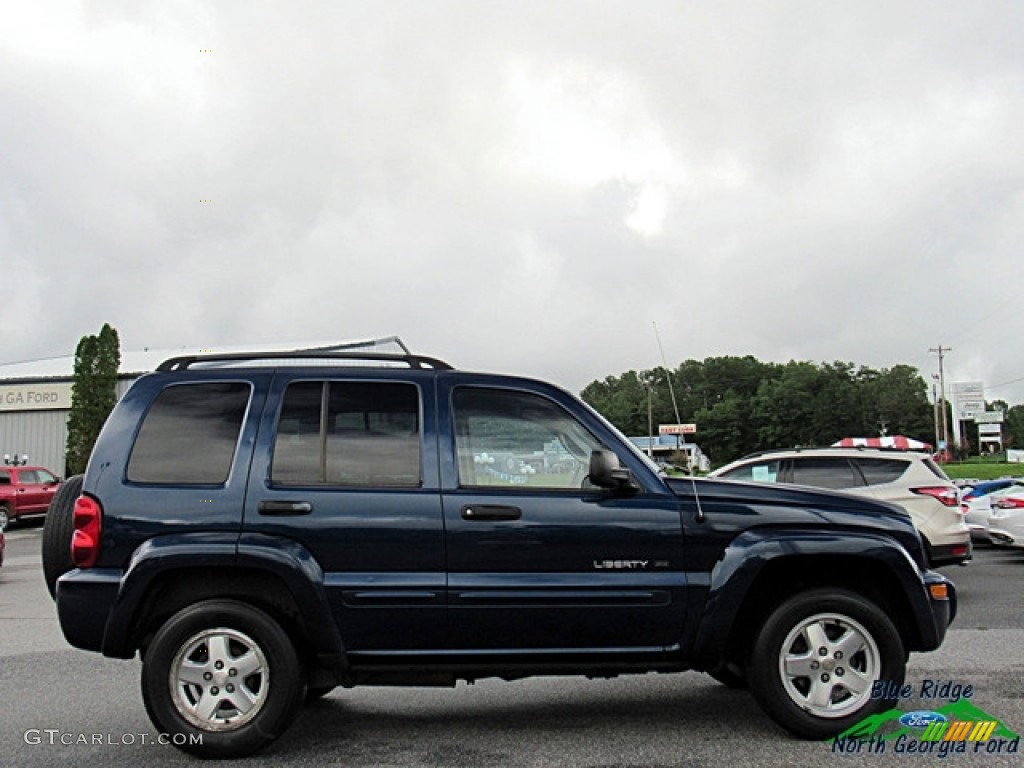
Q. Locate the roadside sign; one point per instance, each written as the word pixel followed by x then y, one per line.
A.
pixel 988 417
pixel 677 429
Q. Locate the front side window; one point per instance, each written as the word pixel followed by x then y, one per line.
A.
pixel 758 472
pixel 190 434
pixel 518 440
pixel 348 434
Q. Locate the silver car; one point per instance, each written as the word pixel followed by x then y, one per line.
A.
pixel 1006 520
pixel 912 480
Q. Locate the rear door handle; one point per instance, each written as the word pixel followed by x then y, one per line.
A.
pixel 282 508
pixel 490 512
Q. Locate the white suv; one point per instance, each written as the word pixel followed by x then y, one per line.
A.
pixel 912 480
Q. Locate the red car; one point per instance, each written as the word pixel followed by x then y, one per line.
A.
pixel 25 491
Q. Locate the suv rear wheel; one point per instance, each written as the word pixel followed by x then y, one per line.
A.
pixel 222 679
pixel 816 658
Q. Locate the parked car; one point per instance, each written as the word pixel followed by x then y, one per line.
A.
pixel 25 491
pixel 259 529
pixel 912 480
pixel 1006 520
pixel 976 497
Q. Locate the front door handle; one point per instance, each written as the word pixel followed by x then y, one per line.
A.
pixel 490 512
pixel 281 508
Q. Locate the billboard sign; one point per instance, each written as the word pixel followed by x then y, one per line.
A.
pixel 968 399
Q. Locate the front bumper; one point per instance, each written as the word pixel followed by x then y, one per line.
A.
pixel 943 610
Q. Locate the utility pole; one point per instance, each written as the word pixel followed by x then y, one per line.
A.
pixel 941 351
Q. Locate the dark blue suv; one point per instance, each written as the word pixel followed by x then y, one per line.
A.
pixel 263 528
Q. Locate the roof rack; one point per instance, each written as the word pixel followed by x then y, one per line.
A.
pixel 185 362
pixel 861 448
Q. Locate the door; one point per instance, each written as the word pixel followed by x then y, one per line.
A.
pixel 537 558
pixel 32 496
pixel 352 477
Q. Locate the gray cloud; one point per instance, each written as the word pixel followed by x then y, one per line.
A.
pixel 520 186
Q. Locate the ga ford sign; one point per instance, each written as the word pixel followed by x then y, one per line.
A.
pixel 35 397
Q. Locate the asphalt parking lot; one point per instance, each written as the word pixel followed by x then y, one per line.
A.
pixel 67 707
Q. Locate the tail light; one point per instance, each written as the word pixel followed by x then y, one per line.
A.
pixel 85 542
pixel 1009 502
pixel 941 493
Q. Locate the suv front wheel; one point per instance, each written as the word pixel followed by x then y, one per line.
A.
pixel 222 679
pixel 817 657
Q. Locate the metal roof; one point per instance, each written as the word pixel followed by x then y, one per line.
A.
pixel 138 362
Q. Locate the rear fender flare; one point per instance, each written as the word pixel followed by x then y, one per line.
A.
pixel 283 559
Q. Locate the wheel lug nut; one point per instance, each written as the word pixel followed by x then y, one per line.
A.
pixel 815 665
pixel 219 665
pixel 825 678
pixel 229 688
pixel 207 676
pixel 215 690
pixel 839 655
pixel 840 672
pixel 823 651
pixel 233 672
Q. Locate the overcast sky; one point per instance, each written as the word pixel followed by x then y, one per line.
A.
pixel 522 186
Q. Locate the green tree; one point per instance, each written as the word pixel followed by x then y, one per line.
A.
pixel 93 394
pixel 1013 427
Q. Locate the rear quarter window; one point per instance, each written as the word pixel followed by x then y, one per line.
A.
pixel 190 434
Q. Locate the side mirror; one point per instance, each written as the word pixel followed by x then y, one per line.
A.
pixel 607 472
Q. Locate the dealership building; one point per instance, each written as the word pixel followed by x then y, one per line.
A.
pixel 35 396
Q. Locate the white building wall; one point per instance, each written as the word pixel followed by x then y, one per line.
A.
pixel 42 435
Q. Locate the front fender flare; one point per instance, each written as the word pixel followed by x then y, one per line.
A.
pixel 747 556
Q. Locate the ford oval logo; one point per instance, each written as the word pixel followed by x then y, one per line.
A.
pixel 921 719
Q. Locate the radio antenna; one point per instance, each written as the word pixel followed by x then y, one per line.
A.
pixel 671 389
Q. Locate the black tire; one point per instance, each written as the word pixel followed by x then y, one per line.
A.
pixel 234 652
pixel 824 690
pixel 5 517
pixel 57 531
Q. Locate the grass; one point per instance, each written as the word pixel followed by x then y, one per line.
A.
pixel 982 468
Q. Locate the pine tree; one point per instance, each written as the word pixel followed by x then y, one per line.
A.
pixel 93 394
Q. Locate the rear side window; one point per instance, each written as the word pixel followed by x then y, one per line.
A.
pixel 348 434
pixel 835 473
pixel 190 434
pixel 879 471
